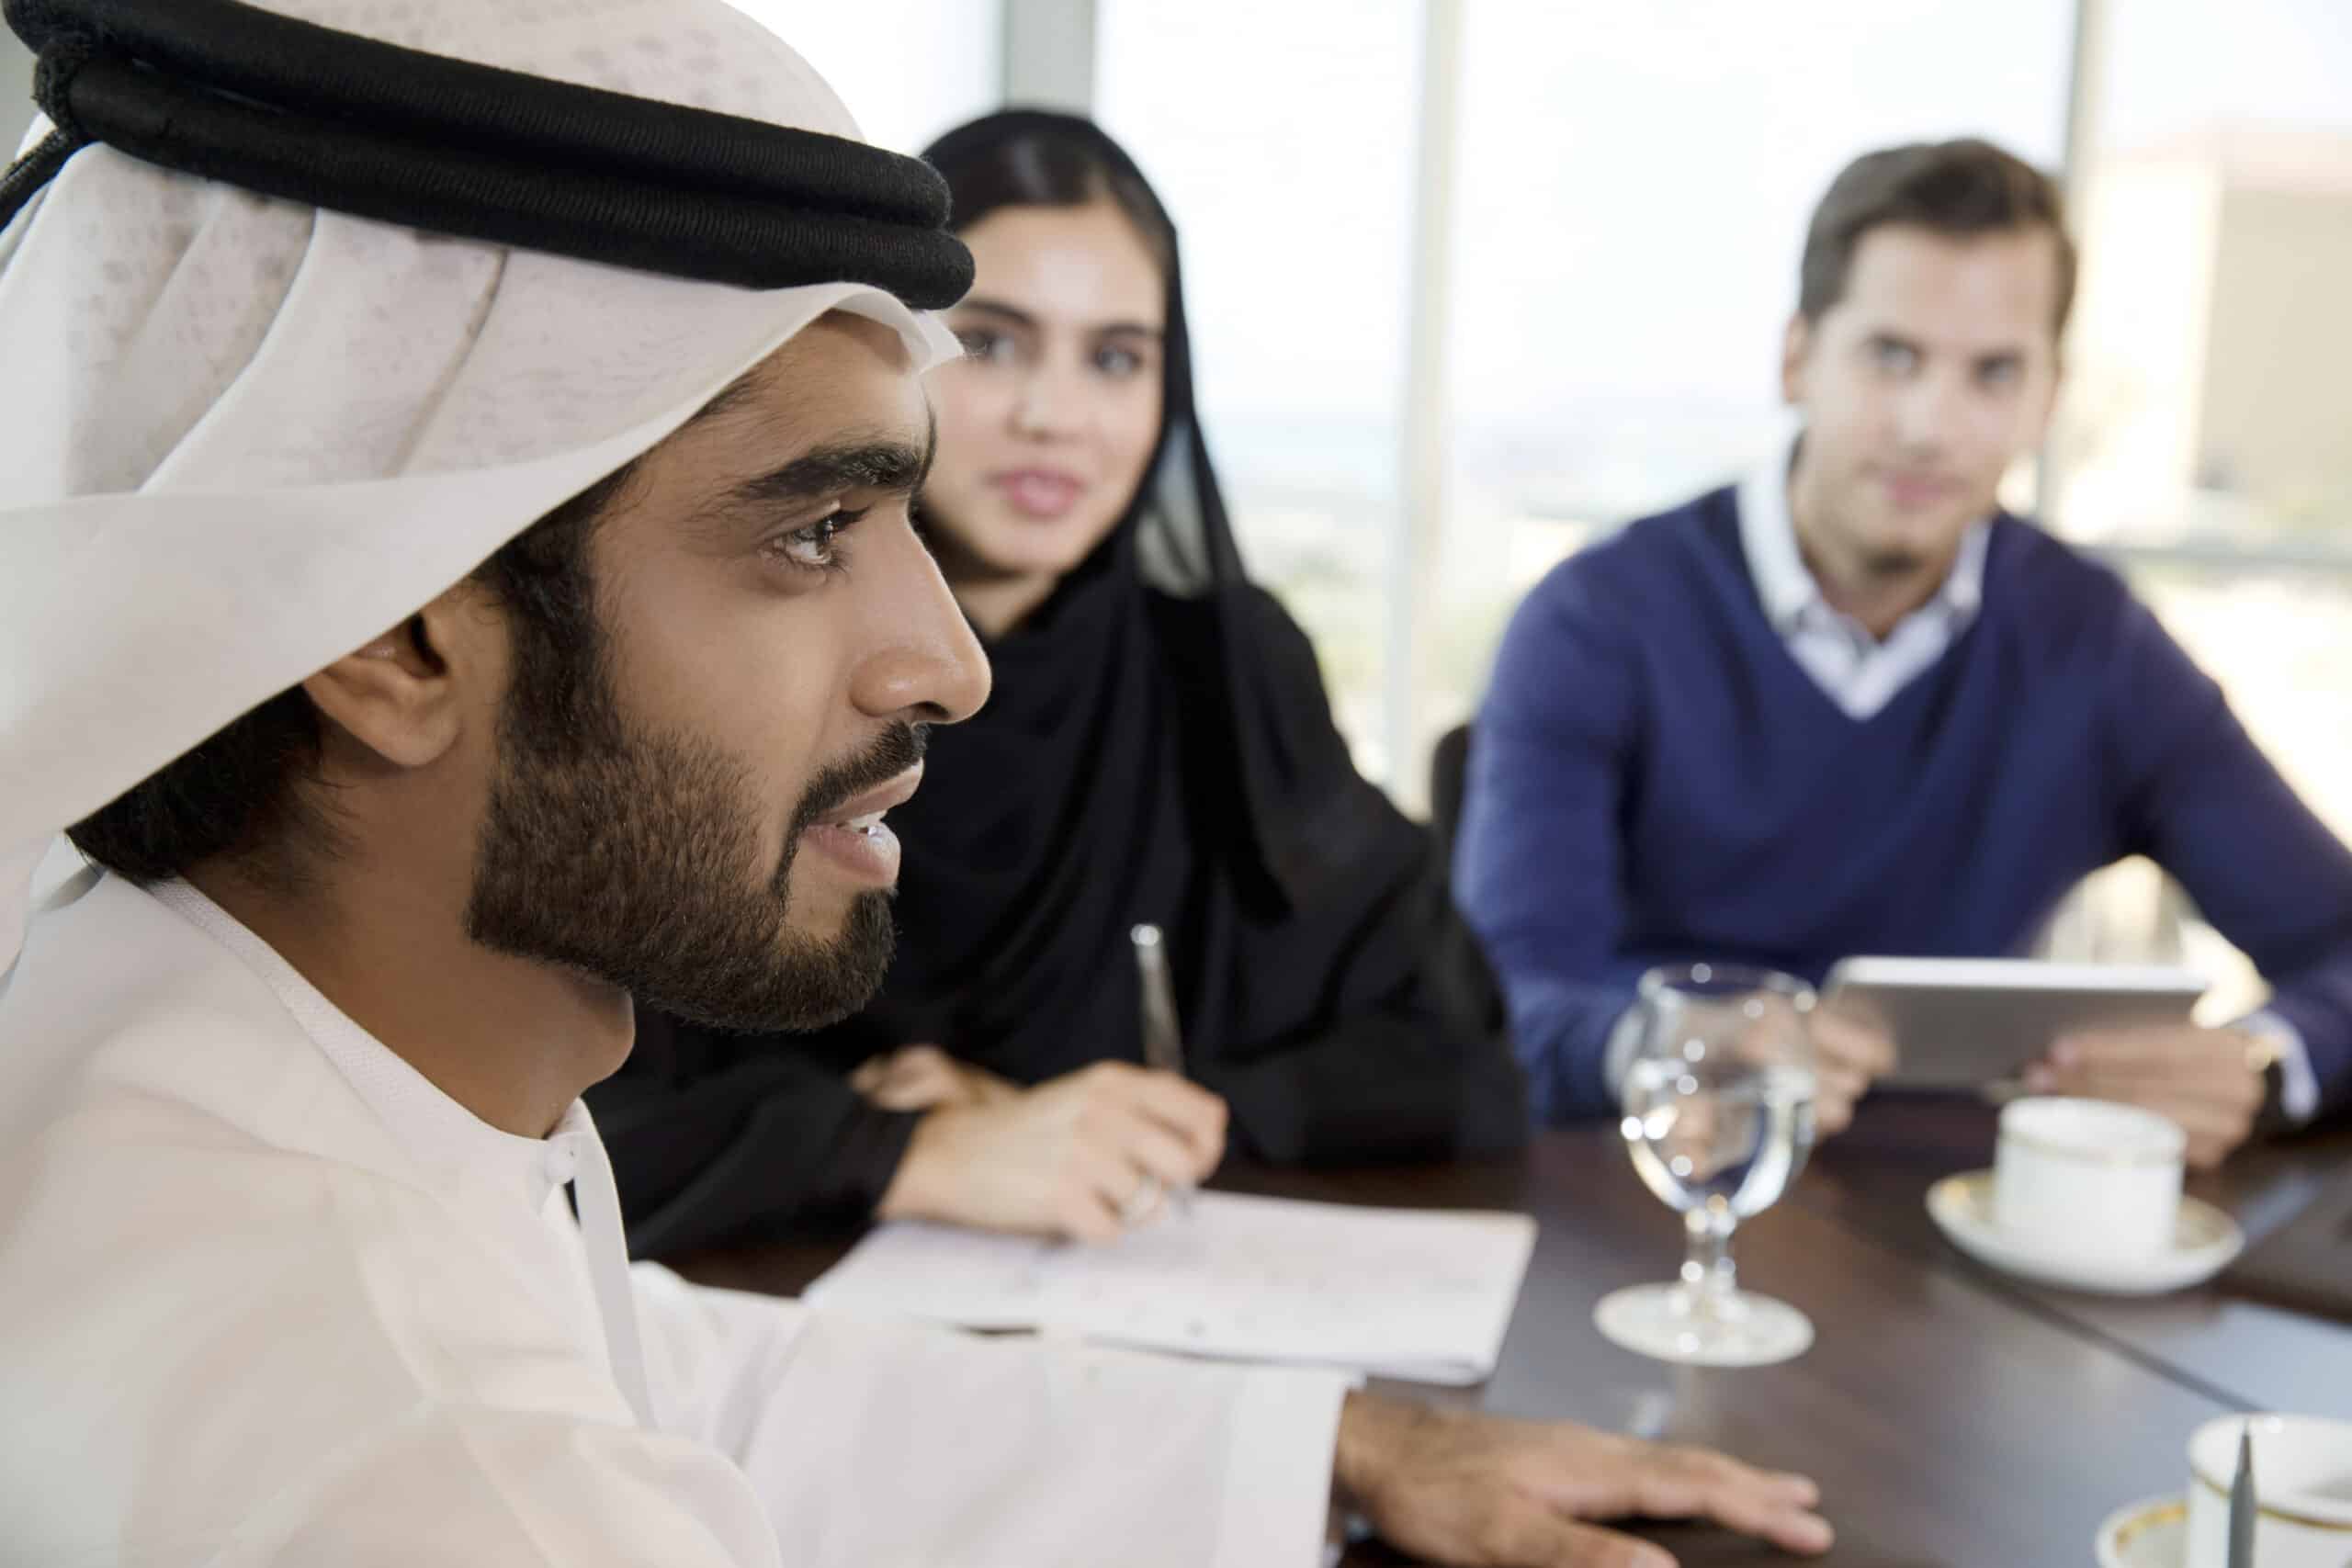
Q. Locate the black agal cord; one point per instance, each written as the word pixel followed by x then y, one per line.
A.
pixel 288 109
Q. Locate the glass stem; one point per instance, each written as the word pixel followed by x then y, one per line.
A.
pixel 1709 1276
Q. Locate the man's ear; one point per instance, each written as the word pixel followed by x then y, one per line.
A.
pixel 1796 342
pixel 407 695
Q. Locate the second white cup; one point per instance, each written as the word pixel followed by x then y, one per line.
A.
pixel 2302 1490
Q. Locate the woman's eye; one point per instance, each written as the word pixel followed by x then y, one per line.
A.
pixel 1118 361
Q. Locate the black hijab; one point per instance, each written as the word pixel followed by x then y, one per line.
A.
pixel 1156 716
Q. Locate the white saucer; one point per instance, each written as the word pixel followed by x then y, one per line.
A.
pixel 1760 1332
pixel 2153 1534
pixel 2204 1240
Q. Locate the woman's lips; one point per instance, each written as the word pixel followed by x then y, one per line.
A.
pixel 1042 495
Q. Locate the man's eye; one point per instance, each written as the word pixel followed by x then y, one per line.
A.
pixel 817 548
pixel 1892 356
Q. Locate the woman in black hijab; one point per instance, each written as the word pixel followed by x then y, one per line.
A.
pixel 1159 750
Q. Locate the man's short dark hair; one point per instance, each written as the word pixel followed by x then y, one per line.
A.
pixel 1961 190
pixel 249 792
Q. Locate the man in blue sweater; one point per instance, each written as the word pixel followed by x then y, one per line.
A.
pixel 1851 707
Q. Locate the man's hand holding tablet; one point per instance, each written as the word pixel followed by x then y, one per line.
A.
pixel 1849 1053
pixel 2100 1032
pixel 2211 1081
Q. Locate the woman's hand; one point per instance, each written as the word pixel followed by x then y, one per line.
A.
pixel 919 1078
pixel 1084 1155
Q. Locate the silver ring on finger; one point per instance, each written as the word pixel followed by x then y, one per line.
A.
pixel 1143 1202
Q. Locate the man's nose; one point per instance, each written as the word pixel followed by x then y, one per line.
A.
pixel 923 664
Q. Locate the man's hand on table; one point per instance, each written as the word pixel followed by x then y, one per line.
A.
pixel 1475 1491
pixel 2209 1080
pixel 1084 1155
pixel 1848 1055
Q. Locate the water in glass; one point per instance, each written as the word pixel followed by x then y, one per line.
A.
pixel 1694 1140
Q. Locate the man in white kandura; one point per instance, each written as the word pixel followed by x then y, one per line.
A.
pixel 431 634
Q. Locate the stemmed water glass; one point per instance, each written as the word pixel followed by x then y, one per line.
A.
pixel 1719 1118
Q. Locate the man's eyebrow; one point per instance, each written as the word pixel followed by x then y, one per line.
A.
pixel 884 463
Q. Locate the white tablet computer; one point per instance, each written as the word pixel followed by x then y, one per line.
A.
pixel 1968 1022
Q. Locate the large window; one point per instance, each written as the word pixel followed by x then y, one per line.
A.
pixel 1282 137
pixel 1628 188
pixel 907 69
pixel 2205 439
pixel 16 93
pixel 2215 211
pixel 1628 192
pixel 1634 183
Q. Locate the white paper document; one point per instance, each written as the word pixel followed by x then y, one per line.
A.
pixel 1406 1293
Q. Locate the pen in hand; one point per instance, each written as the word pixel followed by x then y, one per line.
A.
pixel 1163 1043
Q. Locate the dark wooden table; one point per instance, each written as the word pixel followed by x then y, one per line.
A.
pixel 1954 1418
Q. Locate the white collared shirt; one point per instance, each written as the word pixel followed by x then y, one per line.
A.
pixel 1857 671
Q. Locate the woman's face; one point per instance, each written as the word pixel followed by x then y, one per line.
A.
pixel 1045 424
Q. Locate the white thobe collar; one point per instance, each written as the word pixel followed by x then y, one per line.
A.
pixel 451 1144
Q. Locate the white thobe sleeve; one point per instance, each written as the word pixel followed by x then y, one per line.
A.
pixel 483 1486
pixel 878 1443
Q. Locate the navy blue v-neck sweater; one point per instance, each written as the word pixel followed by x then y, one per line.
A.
pixel 1653 779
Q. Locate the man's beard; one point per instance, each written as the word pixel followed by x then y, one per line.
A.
pixel 1895 563
pixel 632 856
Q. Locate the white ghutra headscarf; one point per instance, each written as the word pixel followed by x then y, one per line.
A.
pixel 240 436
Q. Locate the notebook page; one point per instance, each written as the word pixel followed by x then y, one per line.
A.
pixel 1403 1293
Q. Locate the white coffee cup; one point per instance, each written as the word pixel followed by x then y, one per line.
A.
pixel 2101 1181
pixel 2302 1490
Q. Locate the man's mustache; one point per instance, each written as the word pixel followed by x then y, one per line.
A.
pixel 899 747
